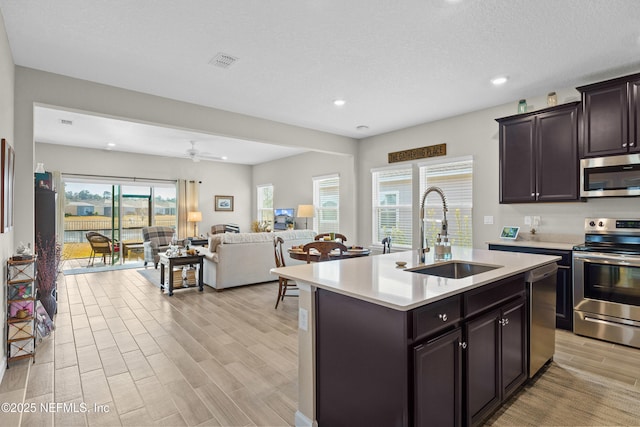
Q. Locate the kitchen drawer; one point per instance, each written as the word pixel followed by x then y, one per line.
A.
pixel 435 317
pixel 486 297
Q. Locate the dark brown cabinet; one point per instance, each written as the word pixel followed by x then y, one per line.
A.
pixel 438 381
pixel 611 117
pixel 564 281
pixel 495 359
pixel 448 363
pixel 45 216
pixel 539 156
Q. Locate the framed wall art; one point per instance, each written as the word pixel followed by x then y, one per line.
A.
pixel 223 203
pixel 8 165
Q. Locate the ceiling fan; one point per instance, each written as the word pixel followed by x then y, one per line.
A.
pixel 196 155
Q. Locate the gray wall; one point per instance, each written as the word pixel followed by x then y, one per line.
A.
pixel 476 134
pixel 292 184
pixel 213 175
pixel 6 132
pixel 37 87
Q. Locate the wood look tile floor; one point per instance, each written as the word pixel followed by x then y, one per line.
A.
pixel 229 359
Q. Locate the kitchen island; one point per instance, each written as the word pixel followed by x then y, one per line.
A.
pixel 380 345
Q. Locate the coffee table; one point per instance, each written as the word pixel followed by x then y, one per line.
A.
pixel 178 260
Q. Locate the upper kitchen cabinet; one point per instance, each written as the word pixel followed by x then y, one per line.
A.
pixel 539 156
pixel 611 117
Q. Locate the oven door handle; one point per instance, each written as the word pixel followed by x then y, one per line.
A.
pixel 612 259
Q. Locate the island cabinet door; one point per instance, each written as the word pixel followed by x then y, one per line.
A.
pixel 362 357
pixel 482 366
pixel 438 381
pixel 514 360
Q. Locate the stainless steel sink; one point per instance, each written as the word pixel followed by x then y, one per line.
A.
pixel 453 269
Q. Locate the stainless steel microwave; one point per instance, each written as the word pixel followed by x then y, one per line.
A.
pixel 613 176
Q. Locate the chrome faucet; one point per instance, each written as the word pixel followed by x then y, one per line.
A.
pixel 424 244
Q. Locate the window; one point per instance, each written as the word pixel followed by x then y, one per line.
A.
pixel 455 178
pixel 326 200
pixel 392 202
pixel 265 203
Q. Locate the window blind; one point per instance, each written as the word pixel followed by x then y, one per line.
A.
pixel 265 203
pixel 326 200
pixel 456 180
pixel 392 206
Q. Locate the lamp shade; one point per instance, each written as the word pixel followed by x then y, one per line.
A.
pixel 306 211
pixel 195 216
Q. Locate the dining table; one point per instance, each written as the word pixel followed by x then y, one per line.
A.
pixel 314 256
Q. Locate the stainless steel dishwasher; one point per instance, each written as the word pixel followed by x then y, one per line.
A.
pixel 541 289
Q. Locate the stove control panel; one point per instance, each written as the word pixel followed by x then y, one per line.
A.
pixel 612 226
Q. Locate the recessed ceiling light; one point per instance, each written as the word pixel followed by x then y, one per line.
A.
pixel 500 80
pixel 111 144
pixel 224 157
pixel 339 102
pixel 362 127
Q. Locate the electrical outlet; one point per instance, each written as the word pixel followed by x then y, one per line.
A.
pixel 527 220
pixel 488 219
pixel 303 319
pixel 536 221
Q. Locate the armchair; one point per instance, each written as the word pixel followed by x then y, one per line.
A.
pixel 156 239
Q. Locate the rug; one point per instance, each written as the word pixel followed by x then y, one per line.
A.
pixel 151 274
pixel 101 268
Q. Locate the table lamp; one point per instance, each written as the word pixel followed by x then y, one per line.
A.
pixel 195 217
pixel 306 211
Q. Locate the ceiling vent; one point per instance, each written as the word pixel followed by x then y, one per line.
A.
pixel 223 60
pixel 66 122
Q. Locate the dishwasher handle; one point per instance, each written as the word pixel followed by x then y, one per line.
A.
pixel 540 273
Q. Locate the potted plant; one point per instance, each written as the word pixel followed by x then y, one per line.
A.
pixel 49 253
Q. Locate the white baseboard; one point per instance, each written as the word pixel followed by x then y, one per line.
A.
pixel 301 420
pixel 3 367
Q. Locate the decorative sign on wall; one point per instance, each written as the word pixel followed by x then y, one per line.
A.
pixel 418 153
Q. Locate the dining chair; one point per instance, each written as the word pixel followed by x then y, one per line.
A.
pixel 100 245
pixel 324 248
pixel 386 245
pixel 321 236
pixel 283 282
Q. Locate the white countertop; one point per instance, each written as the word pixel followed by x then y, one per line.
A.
pixel 564 242
pixel 377 279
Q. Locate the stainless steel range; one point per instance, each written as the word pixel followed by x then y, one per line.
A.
pixel 606 281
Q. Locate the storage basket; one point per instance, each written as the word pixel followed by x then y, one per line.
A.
pixel 19 330
pixel 21 348
pixel 20 305
pixel 20 291
pixel 191 277
pixel 21 272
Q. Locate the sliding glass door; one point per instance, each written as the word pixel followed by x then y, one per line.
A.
pixel 117 210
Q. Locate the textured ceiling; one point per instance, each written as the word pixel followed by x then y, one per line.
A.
pixel 396 63
pixel 90 131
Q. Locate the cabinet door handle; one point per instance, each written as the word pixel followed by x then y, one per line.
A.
pixel 463 345
pixel 504 322
pixel 632 144
pixel 533 194
pixel 443 317
pixel 624 145
pixel 537 194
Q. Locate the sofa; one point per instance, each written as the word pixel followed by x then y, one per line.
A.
pixel 156 239
pixel 236 259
